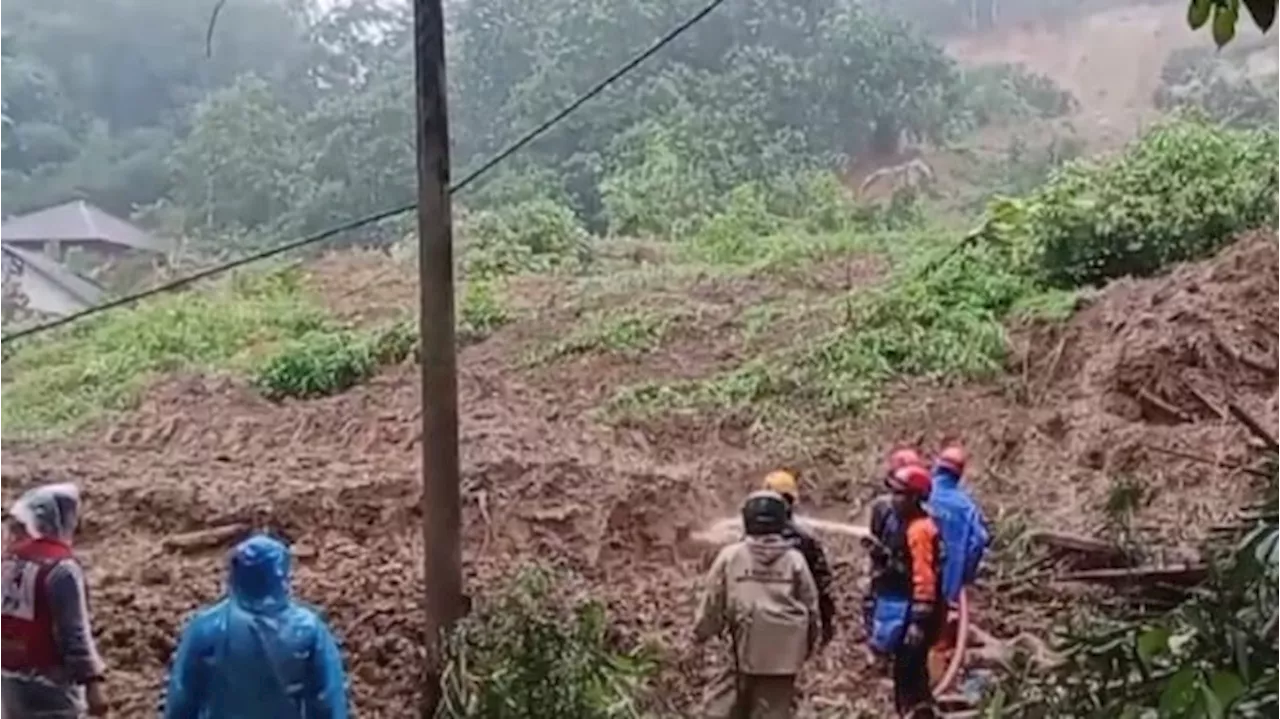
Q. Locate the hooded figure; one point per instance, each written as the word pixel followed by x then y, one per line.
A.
pixel 257 654
pixel 761 594
pixel 51 666
pixel 964 529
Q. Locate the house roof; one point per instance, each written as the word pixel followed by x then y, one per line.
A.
pixel 77 221
pixel 32 261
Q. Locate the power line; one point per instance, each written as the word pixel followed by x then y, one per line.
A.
pixel 322 235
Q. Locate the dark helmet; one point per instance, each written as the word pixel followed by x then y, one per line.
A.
pixel 763 513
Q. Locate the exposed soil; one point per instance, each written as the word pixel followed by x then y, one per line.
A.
pixel 543 478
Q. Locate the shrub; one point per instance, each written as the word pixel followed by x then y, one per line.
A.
pixel 1180 193
pixel 317 364
pixel 482 311
pixel 1219 86
pixel 530 236
pixel 533 653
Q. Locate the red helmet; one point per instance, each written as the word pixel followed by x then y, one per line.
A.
pixel 953 458
pixel 912 479
pixel 904 457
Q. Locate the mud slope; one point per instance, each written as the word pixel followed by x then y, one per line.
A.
pixel 338 478
pixel 1110 60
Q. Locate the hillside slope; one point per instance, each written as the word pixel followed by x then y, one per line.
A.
pixel 545 477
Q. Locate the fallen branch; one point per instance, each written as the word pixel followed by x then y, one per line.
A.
pixel 1147 576
pixel 1160 405
pixel 1207 460
pixel 1075 543
pixel 206 538
pixel 1255 427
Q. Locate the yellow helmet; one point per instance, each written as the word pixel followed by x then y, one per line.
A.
pixel 784 483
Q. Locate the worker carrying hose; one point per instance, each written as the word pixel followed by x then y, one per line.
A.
pixel 257 654
pixel 785 484
pixel 51 666
pixel 906 589
pixel 760 593
pixel 881 510
pixel 965 537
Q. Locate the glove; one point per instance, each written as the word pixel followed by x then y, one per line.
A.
pixel 914 636
pixel 96 699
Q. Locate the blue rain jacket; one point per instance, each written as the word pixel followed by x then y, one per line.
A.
pixel 257 654
pixel 964 532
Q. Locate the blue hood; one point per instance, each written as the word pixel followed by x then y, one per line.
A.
pixel 259 578
pixel 945 477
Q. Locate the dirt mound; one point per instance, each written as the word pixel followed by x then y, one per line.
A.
pixel 1148 367
pixel 1174 350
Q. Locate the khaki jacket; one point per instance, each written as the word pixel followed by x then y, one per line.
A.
pixel 761 593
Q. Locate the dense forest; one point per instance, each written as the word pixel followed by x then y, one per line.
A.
pixel 287 117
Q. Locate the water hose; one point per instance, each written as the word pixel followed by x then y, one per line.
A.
pixel 726 530
pixel 962 640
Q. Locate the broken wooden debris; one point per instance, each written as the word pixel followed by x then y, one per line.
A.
pixel 206 538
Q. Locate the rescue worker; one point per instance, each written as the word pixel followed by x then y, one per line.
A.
pixel 785 484
pixel 257 654
pixel 965 538
pixel 881 509
pixel 964 529
pixel 905 589
pixel 760 593
pixel 51 665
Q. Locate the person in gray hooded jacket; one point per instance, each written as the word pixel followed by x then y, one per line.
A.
pixel 51 666
pixel 760 593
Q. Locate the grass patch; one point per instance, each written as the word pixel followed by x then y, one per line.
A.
pixel 58 380
pixel 942 317
pixel 630 334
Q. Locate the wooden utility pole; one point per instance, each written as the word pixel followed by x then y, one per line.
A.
pixel 441 501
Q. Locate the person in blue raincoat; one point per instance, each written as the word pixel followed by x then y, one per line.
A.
pixel 257 654
pixel 964 529
pixel 965 538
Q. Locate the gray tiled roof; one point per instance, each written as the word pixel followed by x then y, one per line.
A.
pixel 77 221
pixel 75 285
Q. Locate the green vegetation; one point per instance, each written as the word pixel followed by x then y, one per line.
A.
pixel 264 325
pixel 1214 655
pixel 482 311
pixel 628 333
pixel 58 380
pixel 531 652
pixel 1226 14
pixel 1179 193
pixel 328 361
pixel 1010 92
pixel 1219 85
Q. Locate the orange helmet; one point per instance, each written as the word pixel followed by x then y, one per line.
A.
pixel 912 479
pixel 904 457
pixel 953 457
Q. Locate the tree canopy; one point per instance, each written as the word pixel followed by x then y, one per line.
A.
pixel 297 117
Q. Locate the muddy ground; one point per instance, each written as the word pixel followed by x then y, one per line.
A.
pixel 1146 363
